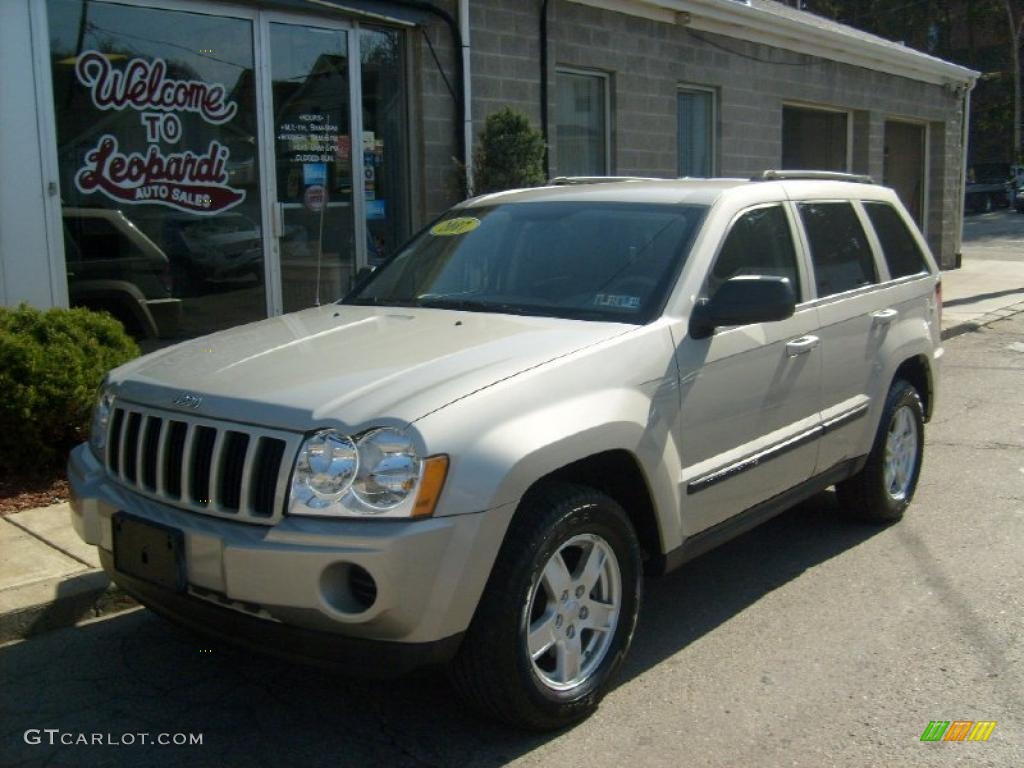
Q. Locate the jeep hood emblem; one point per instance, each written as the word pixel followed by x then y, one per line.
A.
pixel 188 400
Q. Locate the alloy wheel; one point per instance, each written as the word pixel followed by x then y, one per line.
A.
pixel 573 612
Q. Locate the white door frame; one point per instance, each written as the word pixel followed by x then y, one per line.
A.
pixel 273 217
pixel 261 21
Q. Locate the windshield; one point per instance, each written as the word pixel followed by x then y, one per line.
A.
pixel 581 260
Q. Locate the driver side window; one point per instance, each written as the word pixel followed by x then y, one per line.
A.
pixel 759 243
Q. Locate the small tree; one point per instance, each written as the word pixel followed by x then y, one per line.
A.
pixel 510 154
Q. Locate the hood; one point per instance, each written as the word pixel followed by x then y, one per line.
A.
pixel 350 366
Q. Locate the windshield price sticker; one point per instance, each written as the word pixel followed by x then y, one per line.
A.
pixel 457 226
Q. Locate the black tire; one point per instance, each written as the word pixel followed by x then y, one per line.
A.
pixel 493 671
pixel 865 496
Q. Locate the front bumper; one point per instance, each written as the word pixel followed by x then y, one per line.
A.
pixel 259 583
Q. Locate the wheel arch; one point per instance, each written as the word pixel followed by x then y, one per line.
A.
pixel 618 474
pixel 917 372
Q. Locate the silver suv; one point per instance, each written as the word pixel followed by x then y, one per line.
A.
pixel 475 457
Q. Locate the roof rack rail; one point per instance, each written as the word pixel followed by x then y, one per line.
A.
pixel 561 181
pixel 856 178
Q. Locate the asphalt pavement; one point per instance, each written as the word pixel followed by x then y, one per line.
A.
pixel 807 642
pixel 997 235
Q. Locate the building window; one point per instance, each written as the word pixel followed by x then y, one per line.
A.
pixel 696 108
pixel 815 139
pixel 582 131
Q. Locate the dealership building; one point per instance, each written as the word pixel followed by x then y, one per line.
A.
pixel 194 164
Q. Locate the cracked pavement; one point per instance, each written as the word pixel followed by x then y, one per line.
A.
pixel 806 642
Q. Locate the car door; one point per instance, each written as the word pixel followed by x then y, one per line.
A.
pixel 854 315
pixel 749 394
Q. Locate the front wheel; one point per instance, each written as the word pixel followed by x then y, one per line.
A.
pixel 883 489
pixel 558 613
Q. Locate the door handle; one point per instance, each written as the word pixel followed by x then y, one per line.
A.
pixel 277 220
pixel 885 316
pixel 802 346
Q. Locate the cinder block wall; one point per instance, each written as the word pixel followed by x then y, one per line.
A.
pixel 647 61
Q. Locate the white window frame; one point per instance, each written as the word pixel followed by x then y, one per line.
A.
pixel 713 133
pixel 605 77
pixel 812 107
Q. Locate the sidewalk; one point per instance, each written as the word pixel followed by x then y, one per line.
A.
pixel 50 579
pixel 980 292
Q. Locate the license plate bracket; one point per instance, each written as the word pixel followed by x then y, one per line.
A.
pixel 149 551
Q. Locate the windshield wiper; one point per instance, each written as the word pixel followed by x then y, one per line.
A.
pixel 472 305
pixel 378 301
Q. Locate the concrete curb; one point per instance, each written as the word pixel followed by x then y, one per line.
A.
pixel 970 326
pixel 60 602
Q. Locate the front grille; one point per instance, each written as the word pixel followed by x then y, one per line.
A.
pixel 216 468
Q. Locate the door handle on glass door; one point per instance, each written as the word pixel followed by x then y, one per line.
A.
pixel 885 315
pixel 278 219
pixel 802 346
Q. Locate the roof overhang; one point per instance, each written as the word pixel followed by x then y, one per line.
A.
pixel 745 22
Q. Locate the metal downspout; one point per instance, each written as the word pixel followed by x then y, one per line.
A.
pixel 467 96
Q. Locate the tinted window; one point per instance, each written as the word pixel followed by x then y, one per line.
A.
pixel 605 261
pixel 898 244
pixel 97 239
pixel 839 248
pixel 759 243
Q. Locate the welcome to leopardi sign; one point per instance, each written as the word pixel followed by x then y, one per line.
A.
pixel 190 181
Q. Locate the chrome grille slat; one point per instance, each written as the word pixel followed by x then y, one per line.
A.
pixel 122 450
pixel 161 456
pixel 168 455
pixel 216 469
pixel 244 503
pixel 140 441
pixel 186 464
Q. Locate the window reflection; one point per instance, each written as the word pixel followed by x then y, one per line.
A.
pixel 156 130
pixel 384 141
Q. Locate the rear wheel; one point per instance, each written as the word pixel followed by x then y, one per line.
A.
pixel 883 489
pixel 558 613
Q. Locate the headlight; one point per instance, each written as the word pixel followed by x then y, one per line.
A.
pixel 101 411
pixel 377 473
pixel 324 470
pixel 390 469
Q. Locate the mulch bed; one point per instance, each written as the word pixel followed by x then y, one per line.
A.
pixel 27 492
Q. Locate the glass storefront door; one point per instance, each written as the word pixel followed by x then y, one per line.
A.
pixel 222 164
pixel 313 205
pixel 159 166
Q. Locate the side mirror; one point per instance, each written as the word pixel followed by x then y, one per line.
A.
pixel 743 300
pixel 362 276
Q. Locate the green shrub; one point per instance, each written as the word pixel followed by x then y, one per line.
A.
pixel 50 366
pixel 510 154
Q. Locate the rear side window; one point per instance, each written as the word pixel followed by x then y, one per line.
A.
pixel 840 251
pixel 902 253
pixel 759 243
